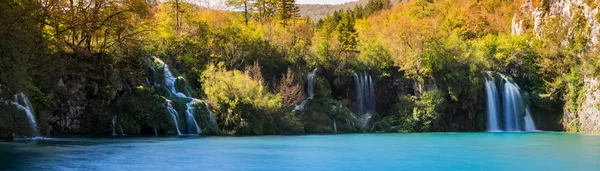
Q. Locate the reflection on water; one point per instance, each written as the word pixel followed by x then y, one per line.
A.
pixel 429 151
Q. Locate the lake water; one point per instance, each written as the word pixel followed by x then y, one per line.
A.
pixel 419 151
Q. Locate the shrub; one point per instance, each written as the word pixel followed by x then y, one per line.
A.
pixel 242 104
pixel 427 110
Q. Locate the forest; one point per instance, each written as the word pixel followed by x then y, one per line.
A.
pixel 89 67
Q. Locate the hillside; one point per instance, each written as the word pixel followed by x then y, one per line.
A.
pixel 318 11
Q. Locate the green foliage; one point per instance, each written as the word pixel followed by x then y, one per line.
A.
pixel 401 119
pixel 374 55
pixel 347 35
pixel 412 114
pixel 242 105
pixel 427 110
pixel 322 87
pixel 20 33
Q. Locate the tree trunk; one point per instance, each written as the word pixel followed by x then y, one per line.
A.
pixel 246 11
pixel 177 17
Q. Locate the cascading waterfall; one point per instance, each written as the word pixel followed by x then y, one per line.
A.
pixel 27 107
pixel 210 115
pixel 174 114
pixel 334 107
pixel 334 126
pixel 311 83
pixel 310 90
pixel 365 93
pixel 114 122
pixel 506 110
pixel 122 132
pixel 190 125
pixel 365 96
pixel 511 106
pixel 190 118
pixel 170 80
pixel 492 102
pixel 529 124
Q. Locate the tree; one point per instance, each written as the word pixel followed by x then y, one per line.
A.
pixel 347 34
pixel 286 10
pixel 21 42
pixel 290 91
pixel 244 4
pixel 377 5
pixel 85 27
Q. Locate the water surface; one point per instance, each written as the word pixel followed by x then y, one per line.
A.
pixel 425 151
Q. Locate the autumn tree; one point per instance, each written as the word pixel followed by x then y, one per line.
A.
pixel 289 89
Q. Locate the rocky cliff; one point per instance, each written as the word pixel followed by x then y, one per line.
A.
pixel 574 14
pixel 589 113
pixel 534 13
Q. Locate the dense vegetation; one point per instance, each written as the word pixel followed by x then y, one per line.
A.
pixel 320 11
pixel 82 62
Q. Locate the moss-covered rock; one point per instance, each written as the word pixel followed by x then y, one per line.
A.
pixel 13 123
pixel 206 119
pixel 345 120
pixel 138 113
pixel 319 117
pixel 289 124
pixel 322 87
pixel 180 84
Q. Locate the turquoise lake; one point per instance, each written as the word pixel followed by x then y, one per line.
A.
pixel 414 151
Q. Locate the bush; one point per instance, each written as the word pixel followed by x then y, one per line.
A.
pixel 242 104
pixel 428 110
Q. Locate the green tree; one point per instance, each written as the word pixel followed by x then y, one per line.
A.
pixel 347 34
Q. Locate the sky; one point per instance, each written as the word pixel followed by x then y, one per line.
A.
pixel 322 1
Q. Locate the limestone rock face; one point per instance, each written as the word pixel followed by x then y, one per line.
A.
pixel 589 113
pixel 534 15
pixel 65 112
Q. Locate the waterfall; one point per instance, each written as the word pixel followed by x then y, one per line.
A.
pixel 365 97
pixel 511 99
pixel 122 132
pixel 492 102
pixel 334 126
pixel 529 125
pixel 506 113
pixel 170 80
pixel 365 93
pixel 333 108
pixel 190 118
pixel 174 114
pixel 210 114
pixel 190 125
pixel 114 122
pixel 311 83
pixel 310 89
pixel 27 107
pixel 301 106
